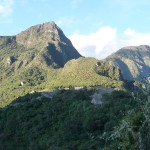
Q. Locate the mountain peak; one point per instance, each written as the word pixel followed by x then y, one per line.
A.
pixel 40 34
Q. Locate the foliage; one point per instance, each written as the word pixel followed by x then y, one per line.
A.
pixel 134 130
pixel 76 73
pixel 68 121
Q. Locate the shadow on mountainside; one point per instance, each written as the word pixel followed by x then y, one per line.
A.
pixel 125 70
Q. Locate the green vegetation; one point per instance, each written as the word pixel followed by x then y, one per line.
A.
pixel 134 130
pixel 45 60
pixel 33 76
pixel 85 72
pixel 77 73
pixel 108 71
pixel 69 121
pixel 42 58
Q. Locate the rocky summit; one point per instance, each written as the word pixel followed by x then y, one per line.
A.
pixel 134 62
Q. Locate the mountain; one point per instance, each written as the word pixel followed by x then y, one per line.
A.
pixel 43 58
pixel 30 57
pixel 54 47
pixel 52 98
pixel 133 61
pixel 42 45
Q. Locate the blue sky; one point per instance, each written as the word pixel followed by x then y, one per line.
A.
pixel 96 27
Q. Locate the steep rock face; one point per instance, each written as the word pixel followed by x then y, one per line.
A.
pixel 134 62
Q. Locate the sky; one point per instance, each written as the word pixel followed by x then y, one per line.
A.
pixel 97 28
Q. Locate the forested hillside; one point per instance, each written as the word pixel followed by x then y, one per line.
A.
pixel 69 121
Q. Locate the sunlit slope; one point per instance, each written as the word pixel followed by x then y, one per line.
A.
pixel 88 72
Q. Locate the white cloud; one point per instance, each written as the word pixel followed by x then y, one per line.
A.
pixel 6 8
pixel 138 38
pixel 106 41
pixel 129 32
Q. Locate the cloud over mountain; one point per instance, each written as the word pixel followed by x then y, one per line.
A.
pixel 107 40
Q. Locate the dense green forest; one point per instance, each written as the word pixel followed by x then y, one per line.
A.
pixel 69 121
